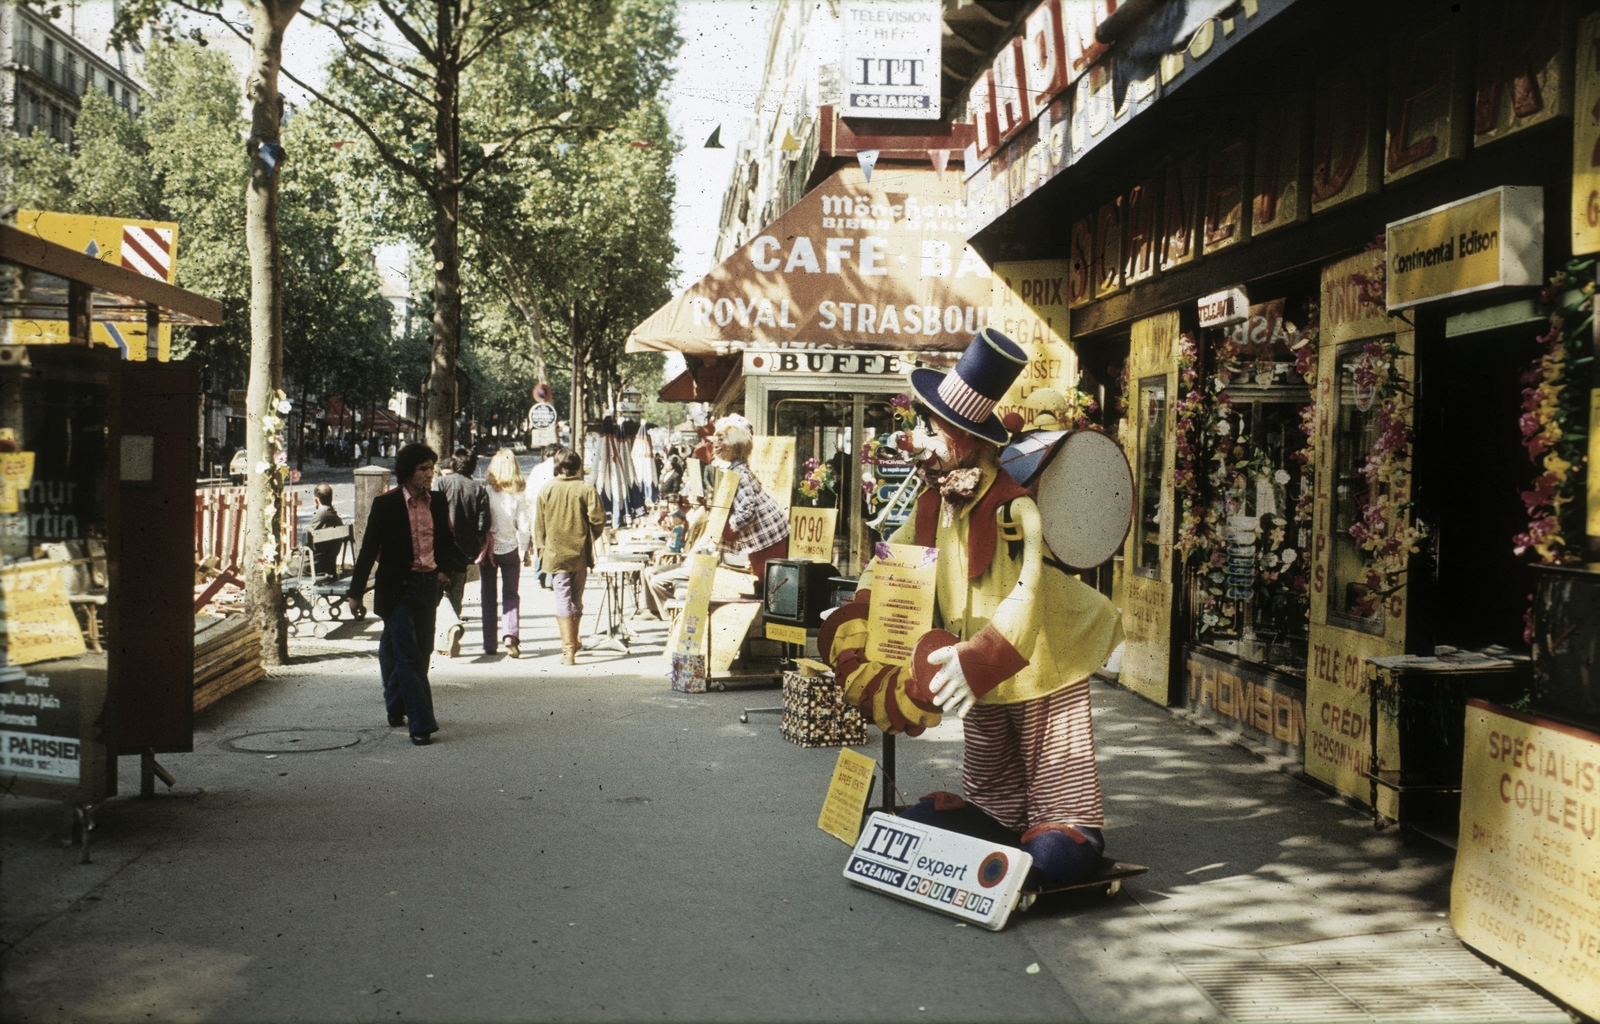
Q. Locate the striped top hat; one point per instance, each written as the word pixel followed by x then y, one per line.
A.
pixel 966 396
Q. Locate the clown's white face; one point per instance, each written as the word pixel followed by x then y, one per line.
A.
pixel 948 447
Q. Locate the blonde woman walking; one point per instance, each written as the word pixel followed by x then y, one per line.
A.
pixel 506 552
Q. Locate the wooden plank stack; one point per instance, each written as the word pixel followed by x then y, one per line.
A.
pixel 227 657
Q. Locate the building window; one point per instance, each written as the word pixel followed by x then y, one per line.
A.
pixel 1355 431
pixel 1152 412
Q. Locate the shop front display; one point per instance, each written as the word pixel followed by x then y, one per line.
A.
pixel 1147 586
pixel 1363 536
pixel 1245 516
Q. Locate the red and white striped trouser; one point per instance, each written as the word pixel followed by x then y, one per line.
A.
pixel 1033 763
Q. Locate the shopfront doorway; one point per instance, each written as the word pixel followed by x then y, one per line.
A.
pixel 1471 470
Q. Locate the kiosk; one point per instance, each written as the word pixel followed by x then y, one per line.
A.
pixel 96 536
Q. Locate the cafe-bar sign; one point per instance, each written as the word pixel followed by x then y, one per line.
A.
pixel 1494 239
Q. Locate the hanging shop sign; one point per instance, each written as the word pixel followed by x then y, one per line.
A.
pixel 854 264
pixel 1056 92
pixel 1527 876
pixel 1229 306
pixel 891 59
pixel 851 362
pixel 1494 239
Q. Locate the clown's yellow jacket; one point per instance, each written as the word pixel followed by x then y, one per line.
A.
pixel 1062 627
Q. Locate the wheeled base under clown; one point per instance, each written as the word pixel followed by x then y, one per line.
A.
pixel 1107 881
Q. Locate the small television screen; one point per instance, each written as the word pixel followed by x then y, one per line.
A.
pixel 783 590
pixel 795 591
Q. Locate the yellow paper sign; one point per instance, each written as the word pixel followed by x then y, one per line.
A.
pixel 786 634
pixel 1586 140
pixel 689 632
pixel 811 533
pixel 39 621
pixel 1029 307
pixel 847 796
pixel 1526 889
pixel 1594 460
pixel 772 462
pixel 901 609
pixel 16 476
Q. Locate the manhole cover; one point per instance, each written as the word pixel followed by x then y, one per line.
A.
pixel 293 741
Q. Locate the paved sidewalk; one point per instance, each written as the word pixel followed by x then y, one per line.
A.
pixel 587 844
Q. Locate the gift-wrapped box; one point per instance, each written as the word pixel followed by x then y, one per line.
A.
pixel 815 713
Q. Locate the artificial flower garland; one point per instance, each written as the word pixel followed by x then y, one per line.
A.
pixel 1385 530
pixel 1554 420
pixel 275 467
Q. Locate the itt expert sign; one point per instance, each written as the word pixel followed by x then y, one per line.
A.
pixel 954 874
pixel 1494 239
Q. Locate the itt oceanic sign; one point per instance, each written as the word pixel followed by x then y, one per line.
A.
pixel 954 874
pixel 1494 239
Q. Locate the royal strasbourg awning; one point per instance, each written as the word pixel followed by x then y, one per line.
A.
pixel 854 264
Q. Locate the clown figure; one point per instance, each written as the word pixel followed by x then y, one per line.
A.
pixel 1024 635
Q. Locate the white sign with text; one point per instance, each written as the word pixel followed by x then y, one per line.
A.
pixel 891 59
pixel 967 878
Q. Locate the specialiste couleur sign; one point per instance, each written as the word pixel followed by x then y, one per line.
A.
pixel 1494 239
pixel 1526 889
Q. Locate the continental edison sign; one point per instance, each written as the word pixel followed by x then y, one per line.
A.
pixel 1491 240
pixel 854 264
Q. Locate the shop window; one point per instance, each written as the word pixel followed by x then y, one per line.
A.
pixel 1152 410
pixel 1255 602
pixel 821 428
pixel 1355 432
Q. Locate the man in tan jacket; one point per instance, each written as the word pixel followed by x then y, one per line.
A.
pixel 567 521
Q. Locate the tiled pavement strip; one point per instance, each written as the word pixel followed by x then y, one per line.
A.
pixel 1266 899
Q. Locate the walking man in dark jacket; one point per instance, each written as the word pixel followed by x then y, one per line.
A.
pixel 408 536
pixel 469 520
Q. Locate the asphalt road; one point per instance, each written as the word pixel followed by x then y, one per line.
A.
pixel 587 844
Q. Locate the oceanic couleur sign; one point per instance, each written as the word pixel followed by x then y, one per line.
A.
pixel 967 878
pixel 1526 889
pixel 854 264
pixel 1490 240
pixel 891 59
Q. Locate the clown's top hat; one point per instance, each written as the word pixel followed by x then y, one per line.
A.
pixel 966 396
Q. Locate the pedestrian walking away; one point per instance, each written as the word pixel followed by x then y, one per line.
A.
pixel 567 521
pixel 408 536
pixel 469 520
pixel 542 474
pixel 506 551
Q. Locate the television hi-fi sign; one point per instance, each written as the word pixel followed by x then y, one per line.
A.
pixel 891 59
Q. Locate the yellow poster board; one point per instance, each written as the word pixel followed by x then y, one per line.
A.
pixel 1526 889
pixel 772 461
pixel 1586 140
pixel 1029 306
pixel 901 609
pixel 16 476
pixel 146 247
pixel 847 796
pixel 686 644
pixel 39 621
pixel 811 533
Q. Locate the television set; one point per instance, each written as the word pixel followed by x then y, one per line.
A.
pixel 796 591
